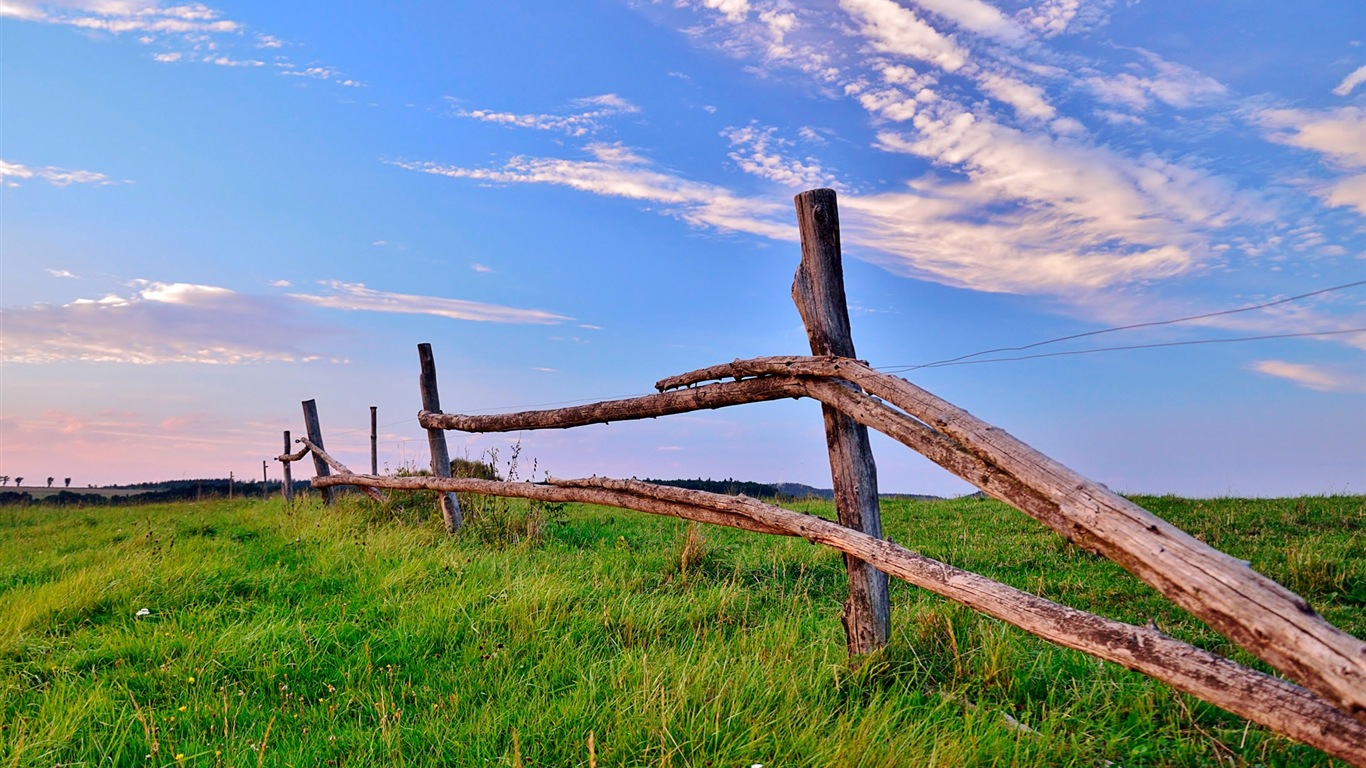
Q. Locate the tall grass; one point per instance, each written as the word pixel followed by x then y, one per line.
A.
pixel 363 635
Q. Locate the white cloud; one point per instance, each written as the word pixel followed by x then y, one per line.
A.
pixel 1028 101
pixel 314 72
pixel 357 297
pixel 589 119
pixel 1338 135
pixel 62 273
pixel 11 173
pixel 1041 214
pixel 1350 82
pixel 1052 17
pixel 619 172
pixel 896 30
pixel 759 151
pixel 977 16
pixel 952 234
pixel 481 268
pixel 224 61
pixel 735 11
pixel 1316 377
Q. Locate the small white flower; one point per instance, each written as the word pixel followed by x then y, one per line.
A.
pixel 143 612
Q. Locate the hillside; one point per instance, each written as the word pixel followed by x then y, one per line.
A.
pixel 245 633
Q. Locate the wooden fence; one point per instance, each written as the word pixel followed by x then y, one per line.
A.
pixel 1324 707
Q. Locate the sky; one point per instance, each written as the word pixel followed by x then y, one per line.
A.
pixel 212 212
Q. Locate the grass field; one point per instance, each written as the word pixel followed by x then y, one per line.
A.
pixel 362 635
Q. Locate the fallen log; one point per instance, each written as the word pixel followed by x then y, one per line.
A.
pixel 1276 704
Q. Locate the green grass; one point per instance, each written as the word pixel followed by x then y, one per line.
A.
pixel 359 635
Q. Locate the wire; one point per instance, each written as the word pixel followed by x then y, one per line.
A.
pixel 961 361
pixel 941 363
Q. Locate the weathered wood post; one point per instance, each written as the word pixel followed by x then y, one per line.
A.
pixel 818 290
pixel 315 435
pixel 436 438
pixel 374 440
pixel 287 487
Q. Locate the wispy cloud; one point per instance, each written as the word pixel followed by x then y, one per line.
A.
pixel 1170 83
pixel 1350 82
pixel 62 273
pixel 122 16
pixel 1317 377
pixel 357 297
pixel 617 171
pixel 187 32
pixel 159 323
pixel 589 117
pixel 12 174
pixel 190 323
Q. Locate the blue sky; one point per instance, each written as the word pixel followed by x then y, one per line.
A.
pixel 213 212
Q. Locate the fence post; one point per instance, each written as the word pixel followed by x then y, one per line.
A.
pixel 288 486
pixel 436 438
pixel 315 435
pixel 374 440
pixel 818 291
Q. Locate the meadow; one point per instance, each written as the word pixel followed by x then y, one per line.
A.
pixel 246 633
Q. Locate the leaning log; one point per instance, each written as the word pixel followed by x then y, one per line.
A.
pixel 1265 618
pixel 1276 704
pixel 342 471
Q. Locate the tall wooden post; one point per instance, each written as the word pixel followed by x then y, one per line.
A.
pixel 315 435
pixel 436 438
pixel 288 486
pixel 374 440
pixel 818 291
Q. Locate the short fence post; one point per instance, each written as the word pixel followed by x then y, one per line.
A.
pixel 818 291
pixel 287 487
pixel 436 438
pixel 374 440
pixel 315 436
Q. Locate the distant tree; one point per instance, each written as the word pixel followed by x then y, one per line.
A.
pixel 67 482
pixel 49 481
pixel 4 480
pixel 18 481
